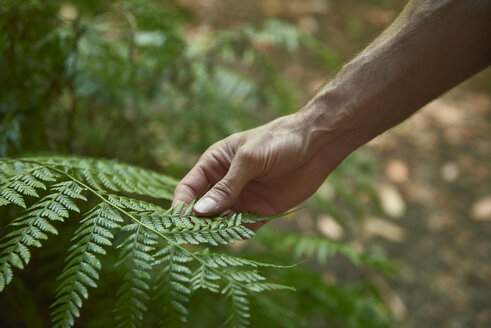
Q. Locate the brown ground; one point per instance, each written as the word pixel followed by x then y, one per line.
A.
pixel 439 163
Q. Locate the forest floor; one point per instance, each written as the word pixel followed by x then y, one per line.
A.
pixel 433 171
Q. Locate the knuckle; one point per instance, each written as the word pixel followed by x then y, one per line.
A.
pixel 212 150
pixel 217 153
pixel 206 155
pixel 185 190
pixel 224 188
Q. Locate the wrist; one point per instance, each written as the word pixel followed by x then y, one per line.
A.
pixel 331 124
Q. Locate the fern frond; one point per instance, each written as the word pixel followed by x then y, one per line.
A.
pixel 249 276
pixel 136 261
pixel 183 229
pixel 65 181
pixel 322 249
pixel 83 265
pixel 239 305
pixel 265 286
pixel 132 204
pixel 32 227
pixel 204 278
pixel 219 232
pixel 114 176
pixel 9 195
pixel 173 285
pixel 19 179
pixel 217 260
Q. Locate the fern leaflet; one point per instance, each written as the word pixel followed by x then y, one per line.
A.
pixel 172 285
pixel 83 265
pixel 32 227
pixel 136 261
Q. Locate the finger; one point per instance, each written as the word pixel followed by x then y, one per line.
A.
pixel 210 169
pixel 193 185
pixel 224 193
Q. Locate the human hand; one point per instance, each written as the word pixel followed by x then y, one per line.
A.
pixel 266 170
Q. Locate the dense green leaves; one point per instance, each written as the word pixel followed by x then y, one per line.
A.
pixel 153 247
pixel 123 79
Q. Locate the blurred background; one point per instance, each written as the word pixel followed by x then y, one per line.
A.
pixel 154 83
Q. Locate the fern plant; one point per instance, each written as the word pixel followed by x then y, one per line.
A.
pixel 305 246
pixel 157 256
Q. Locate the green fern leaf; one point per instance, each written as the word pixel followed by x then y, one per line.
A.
pixel 204 278
pixel 133 204
pixel 30 229
pixel 322 249
pixel 136 262
pixel 190 229
pixel 172 287
pixel 246 276
pixel 83 265
pixel 114 176
pixel 11 196
pixel 266 286
pixel 239 306
pixel 217 260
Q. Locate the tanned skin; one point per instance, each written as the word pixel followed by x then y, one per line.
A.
pixel 431 47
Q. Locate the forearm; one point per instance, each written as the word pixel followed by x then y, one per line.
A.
pixel 430 48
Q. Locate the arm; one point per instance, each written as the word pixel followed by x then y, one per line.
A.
pixel 431 47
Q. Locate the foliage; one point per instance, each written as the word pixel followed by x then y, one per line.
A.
pixel 105 67
pixel 321 303
pixel 322 249
pixel 135 81
pixel 155 238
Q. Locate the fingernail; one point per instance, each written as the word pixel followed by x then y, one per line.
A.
pixel 205 205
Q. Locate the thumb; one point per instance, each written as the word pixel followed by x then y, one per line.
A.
pixel 224 193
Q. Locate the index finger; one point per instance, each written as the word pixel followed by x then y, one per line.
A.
pixel 209 170
pixel 193 185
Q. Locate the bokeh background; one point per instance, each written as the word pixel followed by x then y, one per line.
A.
pixel 433 172
pixel 155 83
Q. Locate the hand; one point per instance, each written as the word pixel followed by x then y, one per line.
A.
pixel 266 170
